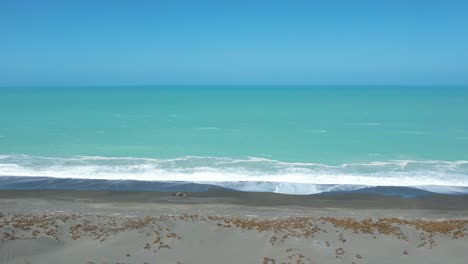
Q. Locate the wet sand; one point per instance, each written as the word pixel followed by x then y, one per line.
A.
pixel 230 227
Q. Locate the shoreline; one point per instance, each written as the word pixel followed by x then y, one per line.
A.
pixel 52 183
pixel 434 202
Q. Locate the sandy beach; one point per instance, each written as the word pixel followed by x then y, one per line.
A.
pixel 229 227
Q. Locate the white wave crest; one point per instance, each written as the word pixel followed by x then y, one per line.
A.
pixel 249 174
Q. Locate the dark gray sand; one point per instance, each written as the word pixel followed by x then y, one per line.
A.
pixel 230 227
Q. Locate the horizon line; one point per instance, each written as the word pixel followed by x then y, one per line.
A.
pixel 227 85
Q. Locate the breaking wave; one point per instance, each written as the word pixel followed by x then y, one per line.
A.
pixel 250 173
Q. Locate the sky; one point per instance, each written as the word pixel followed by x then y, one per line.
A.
pixel 233 42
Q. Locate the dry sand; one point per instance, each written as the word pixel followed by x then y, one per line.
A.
pixel 227 227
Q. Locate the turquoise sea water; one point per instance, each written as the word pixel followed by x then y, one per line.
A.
pixel 291 137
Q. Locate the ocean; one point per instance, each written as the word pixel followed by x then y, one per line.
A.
pixel 285 139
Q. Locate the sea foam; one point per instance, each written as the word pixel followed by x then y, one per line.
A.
pixel 250 173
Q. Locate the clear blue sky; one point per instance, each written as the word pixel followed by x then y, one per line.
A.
pixel 233 42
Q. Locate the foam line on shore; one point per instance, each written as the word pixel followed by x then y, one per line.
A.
pixel 249 174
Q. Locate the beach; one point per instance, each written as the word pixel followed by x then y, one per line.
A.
pixel 220 226
pixel 268 174
pixel 234 132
